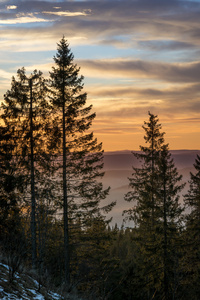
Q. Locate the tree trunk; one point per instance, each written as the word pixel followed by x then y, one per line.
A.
pixel 33 222
pixel 65 203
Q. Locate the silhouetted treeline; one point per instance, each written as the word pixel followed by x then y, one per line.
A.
pixel 52 215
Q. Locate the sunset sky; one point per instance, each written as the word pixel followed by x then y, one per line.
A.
pixel 136 56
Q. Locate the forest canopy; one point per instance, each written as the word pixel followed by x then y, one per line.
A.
pixel 53 208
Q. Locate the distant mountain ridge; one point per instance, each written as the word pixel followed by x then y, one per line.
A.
pixel 123 159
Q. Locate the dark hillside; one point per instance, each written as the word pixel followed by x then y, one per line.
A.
pixel 26 287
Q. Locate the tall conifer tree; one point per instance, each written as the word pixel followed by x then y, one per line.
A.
pixel 82 156
pixel 25 115
pixel 157 211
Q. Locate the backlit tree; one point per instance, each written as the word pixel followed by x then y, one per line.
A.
pixel 156 211
pixel 82 155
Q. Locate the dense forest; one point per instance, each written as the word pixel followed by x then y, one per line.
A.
pixel 53 217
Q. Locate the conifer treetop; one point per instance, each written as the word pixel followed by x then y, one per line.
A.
pixel 154 136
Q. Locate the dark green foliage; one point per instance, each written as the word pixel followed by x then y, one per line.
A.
pixel 25 115
pixel 169 221
pixel 192 233
pixel 71 121
pixel 9 208
pixel 156 213
pixel 82 157
pixel 144 181
pixel 51 143
pixel 13 244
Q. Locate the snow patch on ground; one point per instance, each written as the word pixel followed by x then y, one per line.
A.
pixel 18 289
pixel 24 287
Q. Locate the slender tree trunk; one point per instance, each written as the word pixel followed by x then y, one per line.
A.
pixel 33 222
pixel 65 203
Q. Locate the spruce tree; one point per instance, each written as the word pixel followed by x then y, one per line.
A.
pixel 192 234
pixel 25 115
pixel 156 213
pixel 144 180
pixel 82 156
